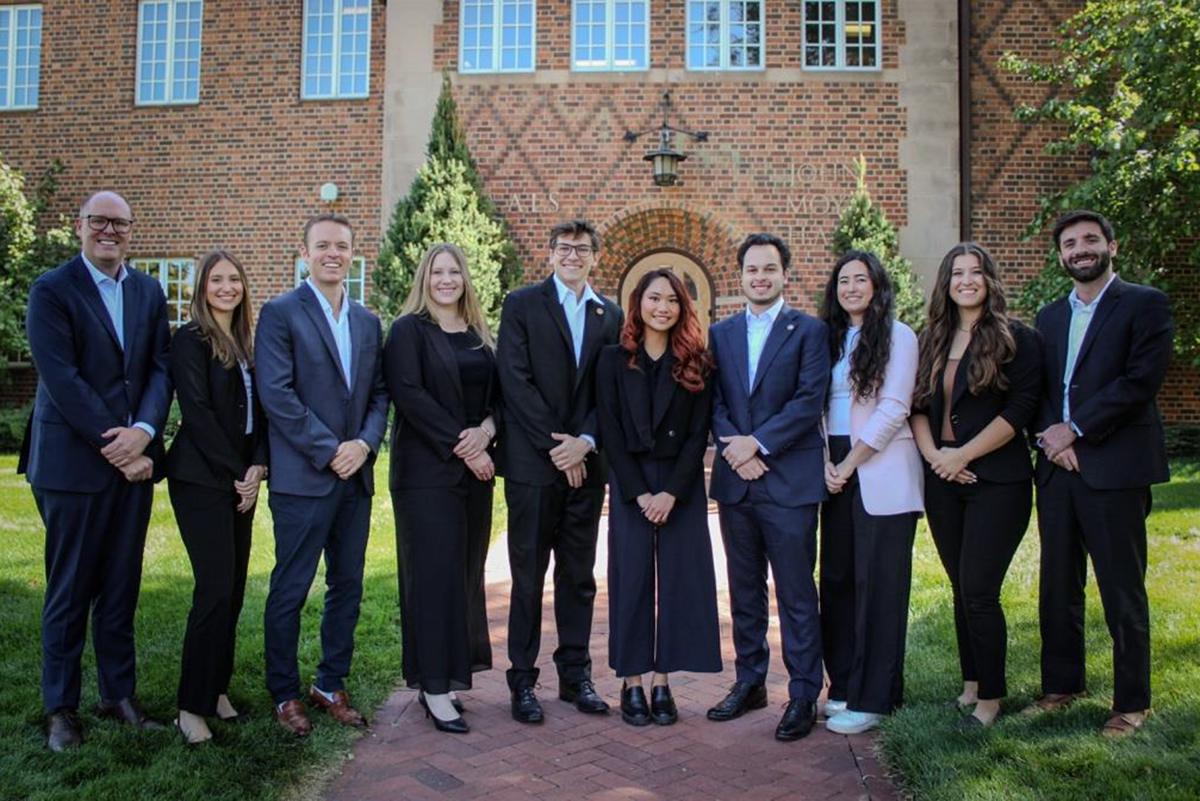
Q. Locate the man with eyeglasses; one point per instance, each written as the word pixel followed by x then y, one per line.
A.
pixel 99 336
pixel 553 476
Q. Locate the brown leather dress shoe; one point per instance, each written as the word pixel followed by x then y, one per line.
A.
pixel 339 708
pixel 1052 702
pixel 127 711
pixel 292 717
pixel 1123 724
pixel 63 731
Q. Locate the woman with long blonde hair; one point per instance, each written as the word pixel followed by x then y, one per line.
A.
pixel 440 367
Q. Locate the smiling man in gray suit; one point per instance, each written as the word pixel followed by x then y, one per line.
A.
pixel 320 376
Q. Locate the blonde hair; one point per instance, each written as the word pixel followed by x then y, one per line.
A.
pixel 238 344
pixel 420 297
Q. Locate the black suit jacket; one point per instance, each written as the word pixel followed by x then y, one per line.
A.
pixel 1121 365
pixel 543 390
pixel 424 384
pixel 677 429
pixel 970 414
pixel 211 447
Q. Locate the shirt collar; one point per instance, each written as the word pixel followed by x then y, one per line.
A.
pixel 768 316
pixel 325 305
pixel 564 291
pixel 100 277
pixel 1079 305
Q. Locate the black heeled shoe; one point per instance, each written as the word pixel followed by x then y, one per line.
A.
pixel 456 726
pixel 634 709
pixel 662 705
pixel 458 705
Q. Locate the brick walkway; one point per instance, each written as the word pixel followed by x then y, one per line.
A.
pixel 574 756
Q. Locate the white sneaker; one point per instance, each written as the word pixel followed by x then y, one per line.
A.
pixel 833 707
pixel 850 722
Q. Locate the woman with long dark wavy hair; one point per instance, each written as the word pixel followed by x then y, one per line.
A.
pixel 654 399
pixel 978 387
pixel 874 477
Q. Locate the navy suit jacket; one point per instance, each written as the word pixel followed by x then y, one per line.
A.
pixel 86 383
pixel 309 409
pixel 782 410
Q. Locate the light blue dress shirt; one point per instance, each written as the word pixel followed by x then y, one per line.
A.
pixel 1081 318
pixel 112 294
pixel 339 327
pixel 839 387
pixel 758 327
pixel 576 311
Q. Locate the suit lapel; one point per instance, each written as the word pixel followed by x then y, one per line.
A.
pixel 593 327
pixel 312 307
pixel 663 389
pixel 555 311
pixel 780 331
pixel 130 311
pixel 445 354
pixel 960 378
pixel 739 346
pixel 637 400
pixel 1060 332
pixel 1107 303
pixel 91 294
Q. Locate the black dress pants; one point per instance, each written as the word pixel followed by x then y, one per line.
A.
pixel 563 521
pixel 977 528
pixel 866 578
pixel 442 536
pixel 217 538
pixel 1076 521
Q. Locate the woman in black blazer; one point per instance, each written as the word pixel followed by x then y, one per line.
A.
pixel 654 401
pixel 440 368
pixel 214 467
pixel 978 387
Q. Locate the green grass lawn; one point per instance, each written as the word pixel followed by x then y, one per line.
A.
pixel 1050 757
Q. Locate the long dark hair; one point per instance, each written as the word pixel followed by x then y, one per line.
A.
pixel 693 362
pixel 238 344
pixel 992 343
pixel 870 358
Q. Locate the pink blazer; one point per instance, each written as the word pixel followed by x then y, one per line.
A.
pixel 893 480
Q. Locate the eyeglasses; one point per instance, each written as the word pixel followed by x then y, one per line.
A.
pixel 99 222
pixel 562 250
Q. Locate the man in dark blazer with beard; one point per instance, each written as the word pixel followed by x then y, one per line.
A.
pixel 768 397
pixel 553 476
pixel 99 337
pixel 1106 348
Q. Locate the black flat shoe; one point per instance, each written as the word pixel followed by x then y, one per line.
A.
pixel 584 696
pixel 797 721
pixel 634 709
pixel 662 706
pixel 458 705
pixel 63 731
pixel 525 706
pixel 741 699
pixel 456 726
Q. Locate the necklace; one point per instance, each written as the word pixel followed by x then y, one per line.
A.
pixel 965 330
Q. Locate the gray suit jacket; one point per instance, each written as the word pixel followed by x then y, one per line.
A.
pixel 309 409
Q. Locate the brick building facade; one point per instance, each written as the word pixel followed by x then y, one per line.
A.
pixel 545 111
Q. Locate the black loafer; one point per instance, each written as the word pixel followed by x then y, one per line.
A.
pixel 634 709
pixel 525 706
pixel 662 706
pixel 797 721
pixel 63 731
pixel 127 711
pixel 584 696
pixel 741 699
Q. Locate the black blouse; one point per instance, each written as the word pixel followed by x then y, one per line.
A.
pixel 475 372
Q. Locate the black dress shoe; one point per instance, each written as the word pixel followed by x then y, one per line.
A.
pixel 525 706
pixel 458 705
pixel 456 726
pixel 128 711
pixel 797 721
pixel 63 731
pixel 662 706
pixel 634 709
pixel 741 699
pixel 583 695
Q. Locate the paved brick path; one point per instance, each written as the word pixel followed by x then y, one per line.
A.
pixel 574 756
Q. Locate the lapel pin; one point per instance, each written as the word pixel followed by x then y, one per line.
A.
pixel 791 326
pixel 599 310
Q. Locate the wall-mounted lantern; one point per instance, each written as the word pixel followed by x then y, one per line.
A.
pixel 665 160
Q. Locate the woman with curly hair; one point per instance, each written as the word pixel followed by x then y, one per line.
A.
pixel 874 476
pixel 653 401
pixel 978 386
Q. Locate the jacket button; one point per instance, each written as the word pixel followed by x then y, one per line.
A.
pixel 671 433
pixel 954 418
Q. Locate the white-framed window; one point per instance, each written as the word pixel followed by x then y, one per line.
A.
pixel 337 49
pixel 497 36
pixel 356 277
pixel 725 35
pixel 842 35
pixel 610 35
pixel 168 52
pixel 177 278
pixel 20 56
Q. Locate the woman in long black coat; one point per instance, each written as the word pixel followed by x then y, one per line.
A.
pixel 654 400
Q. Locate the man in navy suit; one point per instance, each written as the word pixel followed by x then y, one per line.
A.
pixel 99 336
pixel 772 373
pixel 319 360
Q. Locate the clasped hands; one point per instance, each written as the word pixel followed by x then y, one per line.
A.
pixel 472 449
pixel 247 488
pixel 656 507
pixel 349 457
pixel 742 453
pixel 950 464
pixel 1058 443
pixel 569 456
pixel 125 452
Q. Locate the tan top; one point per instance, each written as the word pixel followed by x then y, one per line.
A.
pixel 948 395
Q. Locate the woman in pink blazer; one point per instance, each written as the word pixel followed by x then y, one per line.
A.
pixel 875 480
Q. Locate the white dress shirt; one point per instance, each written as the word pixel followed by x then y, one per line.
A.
pixel 339 327
pixel 1081 318
pixel 575 309
pixel 758 327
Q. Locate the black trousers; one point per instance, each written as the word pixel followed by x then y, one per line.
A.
pixel 675 627
pixel 977 528
pixel 866 578
pixel 217 538
pixel 442 536
pixel 94 544
pixel 1074 521
pixel 563 521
